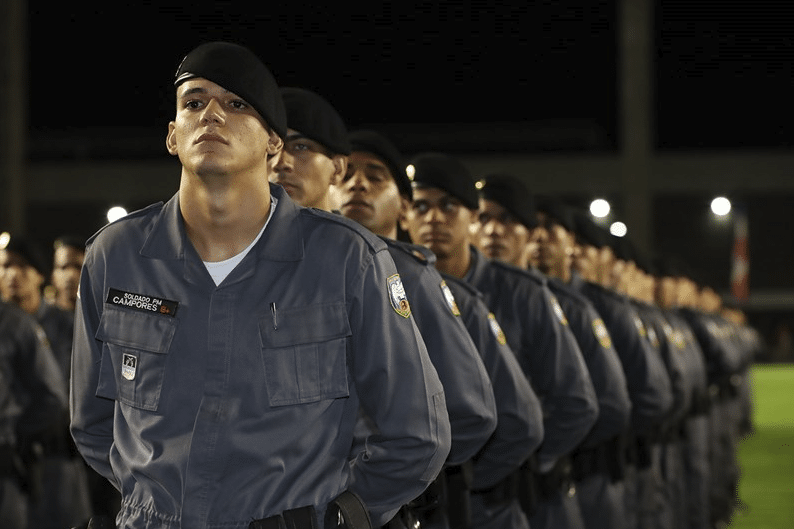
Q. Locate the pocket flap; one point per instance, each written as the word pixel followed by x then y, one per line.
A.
pixel 138 330
pixel 300 325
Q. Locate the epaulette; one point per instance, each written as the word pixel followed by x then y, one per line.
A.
pixel 420 253
pixel 571 294
pixel 129 216
pixel 462 284
pixel 374 242
pixel 535 276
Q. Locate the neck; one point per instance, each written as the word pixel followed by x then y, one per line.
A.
pixel 223 216
pixel 455 264
pixel 29 304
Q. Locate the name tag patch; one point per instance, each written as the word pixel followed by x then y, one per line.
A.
pixel 129 364
pixel 142 302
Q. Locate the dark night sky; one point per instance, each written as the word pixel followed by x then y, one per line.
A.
pixel 414 63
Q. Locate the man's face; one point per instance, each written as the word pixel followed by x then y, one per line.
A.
pixel 306 170
pixel 369 195
pixel 18 280
pixel 216 132
pixel 556 246
pixel 499 235
pixel 586 261
pixel 67 262
pixel 440 222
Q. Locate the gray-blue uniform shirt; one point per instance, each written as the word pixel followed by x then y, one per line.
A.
pixel 467 387
pixel 211 406
pixel 603 364
pixel 519 430
pixel 538 333
pixel 648 383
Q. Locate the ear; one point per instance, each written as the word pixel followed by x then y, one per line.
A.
pixel 274 144
pixel 170 140
pixel 340 168
pixel 405 206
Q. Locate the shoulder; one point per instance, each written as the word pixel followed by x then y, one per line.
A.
pixel 410 252
pixel 568 295
pixel 123 226
pixel 516 274
pixel 342 226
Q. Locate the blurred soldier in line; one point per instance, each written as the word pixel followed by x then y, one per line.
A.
pixel 64 499
pixel 315 149
pixel 598 464
pixel 375 192
pixel 444 206
pixel 68 256
pixel 32 399
pixel 727 361
pixel 666 485
pixel 648 382
pixel 696 510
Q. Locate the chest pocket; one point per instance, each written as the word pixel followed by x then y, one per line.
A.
pixel 133 356
pixel 304 352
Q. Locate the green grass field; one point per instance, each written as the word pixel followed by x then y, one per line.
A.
pixel 767 457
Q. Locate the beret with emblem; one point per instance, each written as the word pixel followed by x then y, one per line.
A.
pixel 556 210
pixel 314 117
pixel 510 193
pixel 447 173
pixel 30 251
pixel 239 70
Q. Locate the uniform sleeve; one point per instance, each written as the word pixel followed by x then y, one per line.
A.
pixel 561 380
pixel 519 429
pixel 41 378
pixel 91 416
pixel 606 372
pixel 467 387
pixel 400 392
pixel 648 383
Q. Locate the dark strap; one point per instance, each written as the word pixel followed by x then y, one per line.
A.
pixel 348 511
pixel 300 518
pixel 458 504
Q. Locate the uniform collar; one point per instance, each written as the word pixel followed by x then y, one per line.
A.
pixel 281 241
pixel 477 266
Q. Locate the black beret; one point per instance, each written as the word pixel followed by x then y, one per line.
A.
pixel 587 231
pixel 238 70
pixel 556 210
pixel 315 118
pixel 513 195
pixel 377 144
pixel 30 251
pixel 447 173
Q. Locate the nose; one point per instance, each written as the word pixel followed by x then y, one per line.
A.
pixel 283 162
pixel 357 181
pixel 213 113
pixel 492 228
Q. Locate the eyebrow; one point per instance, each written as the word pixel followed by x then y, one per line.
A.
pixel 198 90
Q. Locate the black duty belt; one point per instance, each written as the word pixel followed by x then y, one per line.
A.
pixel 346 511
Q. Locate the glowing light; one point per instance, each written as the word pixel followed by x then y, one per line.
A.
pixel 721 206
pixel 599 208
pixel 618 229
pixel 115 213
pixel 410 171
pixel 5 238
pixel 479 184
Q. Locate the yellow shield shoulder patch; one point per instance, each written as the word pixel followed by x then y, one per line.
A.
pixel 496 329
pixel 558 310
pixel 601 333
pixel 453 306
pixel 399 301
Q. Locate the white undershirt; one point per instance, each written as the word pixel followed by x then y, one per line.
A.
pixel 220 269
